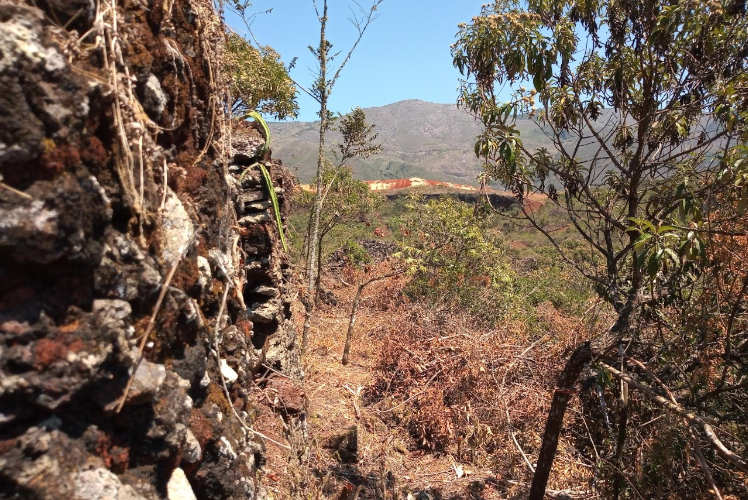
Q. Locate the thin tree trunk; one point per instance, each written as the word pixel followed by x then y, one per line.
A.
pixel 568 378
pixel 308 236
pixel 354 311
pixel 318 285
pixel 311 262
pixel 351 324
pixel 623 418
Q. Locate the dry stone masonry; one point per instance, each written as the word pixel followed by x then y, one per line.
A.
pixel 130 210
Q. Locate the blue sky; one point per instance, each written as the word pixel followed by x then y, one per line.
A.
pixel 404 54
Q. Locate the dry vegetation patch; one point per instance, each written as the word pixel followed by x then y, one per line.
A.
pixel 478 395
pixel 439 404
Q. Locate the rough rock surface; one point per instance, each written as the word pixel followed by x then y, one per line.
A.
pixel 119 172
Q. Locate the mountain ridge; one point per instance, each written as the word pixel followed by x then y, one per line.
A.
pixel 419 139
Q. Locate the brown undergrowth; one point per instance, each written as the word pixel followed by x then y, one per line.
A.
pixel 440 405
pixel 480 395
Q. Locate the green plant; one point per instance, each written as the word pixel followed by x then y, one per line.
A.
pixel 273 198
pixel 645 103
pixel 455 258
pixel 320 91
pixel 259 80
pixel 258 118
pixel 266 175
pixel 355 254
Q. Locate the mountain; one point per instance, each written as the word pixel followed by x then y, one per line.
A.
pixel 419 139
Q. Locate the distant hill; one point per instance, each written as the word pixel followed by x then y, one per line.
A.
pixel 429 188
pixel 420 139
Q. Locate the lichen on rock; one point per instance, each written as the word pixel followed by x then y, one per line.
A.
pixel 121 230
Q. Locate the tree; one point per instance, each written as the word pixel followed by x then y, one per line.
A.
pixel 346 201
pixel 453 259
pixel 354 309
pixel 644 104
pixel 321 90
pixel 259 80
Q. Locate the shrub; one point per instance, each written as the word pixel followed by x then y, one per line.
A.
pixel 355 254
pixel 259 80
pixel 455 258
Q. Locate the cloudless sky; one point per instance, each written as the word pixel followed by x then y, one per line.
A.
pixel 405 53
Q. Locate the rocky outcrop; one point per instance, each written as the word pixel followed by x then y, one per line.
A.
pixel 131 216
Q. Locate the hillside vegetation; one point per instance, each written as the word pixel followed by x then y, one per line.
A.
pixel 537 293
pixel 419 139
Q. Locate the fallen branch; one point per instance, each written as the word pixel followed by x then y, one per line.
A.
pixel 704 466
pixel 692 418
pixel 516 443
pixel 14 190
pixel 356 395
pixel 557 493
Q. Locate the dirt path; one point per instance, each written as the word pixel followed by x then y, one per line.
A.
pixel 383 461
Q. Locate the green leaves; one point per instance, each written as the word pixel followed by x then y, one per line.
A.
pixel 637 98
pixel 665 249
pixel 359 138
pixel 273 197
pixel 257 117
pixel 453 255
pixel 258 80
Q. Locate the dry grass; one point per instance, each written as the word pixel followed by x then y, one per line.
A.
pixel 478 395
pixel 440 398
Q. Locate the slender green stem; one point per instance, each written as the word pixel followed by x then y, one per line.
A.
pixel 258 118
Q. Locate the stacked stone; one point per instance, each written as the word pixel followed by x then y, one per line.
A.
pixel 84 259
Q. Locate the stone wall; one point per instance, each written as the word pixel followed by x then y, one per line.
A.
pixel 131 215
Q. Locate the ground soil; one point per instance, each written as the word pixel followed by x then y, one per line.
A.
pixel 390 464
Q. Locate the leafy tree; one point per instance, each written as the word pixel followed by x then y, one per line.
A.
pixel 259 80
pixel 346 201
pixel 359 137
pixel 320 91
pixel 452 258
pixel 646 107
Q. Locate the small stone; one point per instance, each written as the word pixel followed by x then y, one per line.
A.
pixel 259 206
pixel 267 291
pixel 203 268
pixel 225 449
pixel 114 309
pixel 221 264
pixel 264 313
pixel 35 226
pixel 250 180
pixel 177 231
pixel 255 265
pixel 178 488
pixel 250 220
pixel 148 379
pixel 101 484
pixel 232 339
pixel 250 197
pixel 229 374
pixel 205 381
pixel 154 99
pixel 192 451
